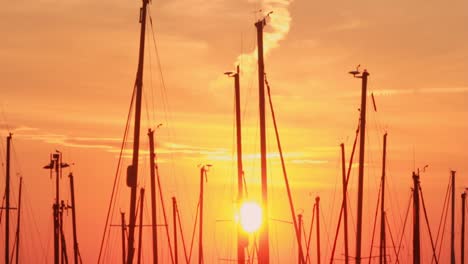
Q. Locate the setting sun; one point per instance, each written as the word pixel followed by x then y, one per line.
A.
pixel 250 216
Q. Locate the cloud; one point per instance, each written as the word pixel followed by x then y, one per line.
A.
pixel 278 25
pixel 448 90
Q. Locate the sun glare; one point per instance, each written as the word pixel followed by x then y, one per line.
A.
pixel 250 216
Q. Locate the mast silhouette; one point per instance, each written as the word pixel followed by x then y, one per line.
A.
pixel 132 170
pixel 203 177
pixel 462 243
pixel 7 198
pixel 317 212
pixel 154 231
pixel 362 141
pixel 345 203
pixel 241 237
pixel 75 238
pixel 452 228
pixel 383 246
pixel 174 220
pixel 264 247
pixel 416 228
pixel 18 220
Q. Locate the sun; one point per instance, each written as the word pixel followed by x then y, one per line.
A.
pixel 250 216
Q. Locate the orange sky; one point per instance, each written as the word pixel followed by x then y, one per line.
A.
pixel 68 68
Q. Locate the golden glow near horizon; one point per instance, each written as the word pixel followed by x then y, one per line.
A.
pixel 250 216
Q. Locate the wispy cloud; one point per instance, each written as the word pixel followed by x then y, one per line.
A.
pixel 448 90
pixel 279 24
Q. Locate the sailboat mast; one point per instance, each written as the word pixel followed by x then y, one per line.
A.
pixel 18 220
pixel 362 141
pixel 174 219
pixel 264 247
pixel 132 171
pixel 345 203
pixel 382 255
pixel 299 245
pixel 452 230
pixel 241 239
pixel 462 244
pixel 317 213
pixel 416 229
pixel 153 196
pixel 7 198
pixel 123 228
pixel 75 239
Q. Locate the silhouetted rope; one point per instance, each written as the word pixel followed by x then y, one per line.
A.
pixel 283 166
pixel 404 226
pixel 117 175
pixel 428 227
pixel 346 190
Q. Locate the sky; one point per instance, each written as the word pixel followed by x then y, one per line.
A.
pixel 67 73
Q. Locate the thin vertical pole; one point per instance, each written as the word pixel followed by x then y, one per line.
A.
pixel 416 229
pixel 452 230
pixel 241 238
pixel 132 172
pixel 345 203
pixel 264 251
pixel 75 239
pixel 317 212
pixel 123 225
pixel 7 197
pixel 462 244
pixel 362 141
pixel 56 164
pixel 200 230
pixel 299 246
pixel 382 255
pixel 153 196
pixel 140 229
pixel 174 217
pixel 18 220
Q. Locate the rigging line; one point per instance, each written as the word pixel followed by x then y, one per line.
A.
pixel 404 226
pixel 116 178
pixel 375 223
pixel 391 235
pixel 194 229
pixel 443 209
pixel 428 226
pixel 164 212
pixel 346 190
pixel 163 82
pixel 443 229
pixel 182 235
pixel 310 235
pixel 286 181
pixel 326 231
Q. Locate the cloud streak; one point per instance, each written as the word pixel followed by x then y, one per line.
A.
pixel 279 22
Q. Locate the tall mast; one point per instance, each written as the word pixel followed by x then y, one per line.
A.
pixel 452 230
pixel 18 221
pixel 462 244
pixel 140 228
pixel 241 238
pixel 132 171
pixel 174 219
pixel 124 228
pixel 317 213
pixel 75 239
pixel 382 255
pixel 416 229
pixel 200 230
pixel 264 247
pixel 153 196
pixel 299 245
pixel 345 204
pixel 7 197
pixel 56 165
pixel 362 141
